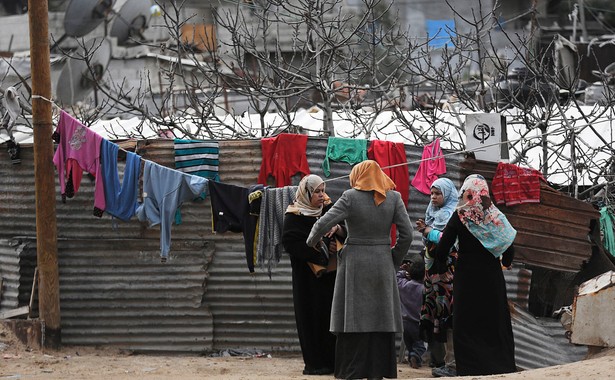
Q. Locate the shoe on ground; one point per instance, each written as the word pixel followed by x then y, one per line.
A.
pixel 443 371
pixel 318 371
pixel 414 362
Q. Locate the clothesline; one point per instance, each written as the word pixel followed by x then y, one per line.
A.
pixel 404 163
pixel 478 149
pixel 59 109
pixel 564 128
pixel 229 213
pixel 164 189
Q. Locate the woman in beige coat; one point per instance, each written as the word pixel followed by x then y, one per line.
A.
pixel 366 312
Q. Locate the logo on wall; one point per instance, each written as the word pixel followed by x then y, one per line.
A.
pixel 482 132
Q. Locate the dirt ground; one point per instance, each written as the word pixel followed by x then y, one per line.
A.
pixel 20 362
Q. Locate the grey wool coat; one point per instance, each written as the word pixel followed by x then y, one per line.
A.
pixel 366 297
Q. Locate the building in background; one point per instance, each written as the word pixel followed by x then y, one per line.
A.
pixel 139 51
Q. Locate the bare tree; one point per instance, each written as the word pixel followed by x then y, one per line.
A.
pixel 358 65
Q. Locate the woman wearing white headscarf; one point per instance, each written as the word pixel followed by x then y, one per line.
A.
pixel 312 282
pixel 482 329
pixel 366 312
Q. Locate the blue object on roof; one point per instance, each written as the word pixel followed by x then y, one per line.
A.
pixel 440 32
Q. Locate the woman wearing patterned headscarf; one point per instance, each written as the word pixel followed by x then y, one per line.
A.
pixel 312 279
pixel 437 310
pixel 366 312
pixel 482 329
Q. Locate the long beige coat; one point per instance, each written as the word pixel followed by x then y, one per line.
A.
pixel 366 298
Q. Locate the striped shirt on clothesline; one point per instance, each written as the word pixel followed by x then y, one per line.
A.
pixel 197 157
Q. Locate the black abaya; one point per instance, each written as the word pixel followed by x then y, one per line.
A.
pixel 312 297
pixel 482 330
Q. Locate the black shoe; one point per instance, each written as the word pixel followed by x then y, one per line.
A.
pixel 317 371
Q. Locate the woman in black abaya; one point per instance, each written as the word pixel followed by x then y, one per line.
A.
pixel 313 280
pixel 482 330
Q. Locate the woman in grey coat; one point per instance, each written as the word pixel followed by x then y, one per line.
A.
pixel 366 311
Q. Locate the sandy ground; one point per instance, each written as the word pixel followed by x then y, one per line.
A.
pixel 20 362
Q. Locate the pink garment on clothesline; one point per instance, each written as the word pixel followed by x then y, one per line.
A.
pixel 78 151
pixel 432 165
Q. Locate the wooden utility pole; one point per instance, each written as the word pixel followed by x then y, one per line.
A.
pixel 46 227
pixel 534 33
pixel 584 37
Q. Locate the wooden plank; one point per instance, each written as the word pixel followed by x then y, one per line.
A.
pixel 543 213
pixel 34 284
pixel 575 247
pixel 15 312
pixel 546 259
pixel 529 224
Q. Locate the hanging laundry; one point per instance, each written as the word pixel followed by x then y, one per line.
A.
pixel 283 157
pixel 432 165
pixel 351 151
pixel 607 227
pixel 270 224
pixel 78 151
pixel 255 198
pixel 164 191
pixel 230 211
pixel 388 153
pixel 513 185
pixel 120 197
pixel 197 157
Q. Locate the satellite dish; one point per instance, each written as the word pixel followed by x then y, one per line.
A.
pixel 77 78
pixel 131 20
pixel 83 16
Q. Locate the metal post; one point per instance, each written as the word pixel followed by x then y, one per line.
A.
pixel 46 228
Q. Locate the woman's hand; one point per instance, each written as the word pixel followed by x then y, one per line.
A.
pixel 420 225
pixel 333 231
pixel 332 247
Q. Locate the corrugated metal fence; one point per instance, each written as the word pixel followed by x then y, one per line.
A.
pixel 114 290
pixel 114 293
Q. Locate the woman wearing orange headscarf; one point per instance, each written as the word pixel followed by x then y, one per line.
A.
pixel 366 312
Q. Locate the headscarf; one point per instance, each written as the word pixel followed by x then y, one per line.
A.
pixel 482 218
pixel 303 197
pixel 368 176
pixel 437 217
